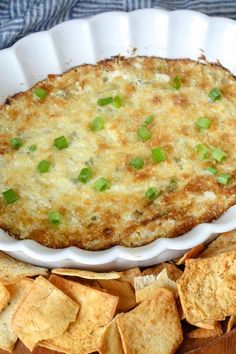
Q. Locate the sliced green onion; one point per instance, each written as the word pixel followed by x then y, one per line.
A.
pixel 149 119
pixel 203 151
pixel 137 163
pixel 215 94
pixel 32 148
pixel 61 142
pixel 223 178
pixel 143 133
pixel 211 170
pixel 10 196
pixel 172 185
pixel 16 143
pixel 104 101
pixel 158 154
pixel 54 217
pixel 40 93
pixel 151 193
pixel 218 154
pixel 102 184
pixel 204 123
pixel 43 166
pixel 85 175
pixel 176 82
pixel 117 101
pixel 97 124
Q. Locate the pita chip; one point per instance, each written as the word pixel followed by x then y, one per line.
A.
pixel 206 333
pixel 207 288
pixel 11 270
pixel 128 275
pixel 17 292
pixel 110 342
pixel 231 323
pixel 155 282
pixel 86 274
pixel 223 243
pixel 97 309
pixel 173 272
pixel 193 253
pixel 45 313
pixel 123 290
pixel 152 324
pixel 4 297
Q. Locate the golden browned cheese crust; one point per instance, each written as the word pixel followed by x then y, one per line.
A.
pixel 121 215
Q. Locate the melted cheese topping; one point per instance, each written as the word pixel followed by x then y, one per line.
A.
pixel 121 215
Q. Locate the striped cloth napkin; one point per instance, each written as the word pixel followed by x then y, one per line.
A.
pixel 21 17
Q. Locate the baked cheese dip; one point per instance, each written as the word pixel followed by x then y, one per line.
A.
pixel 118 153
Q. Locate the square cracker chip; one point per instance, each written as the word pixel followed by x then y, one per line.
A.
pixel 97 309
pixel 11 270
pixel 173 272
pixel 152 324
pixel 123 290
pixel 86 274
pixel 110 342
pixel 207 288
pixel 151 283
pixel 45 312
pixel 17 292
pixel 4 297
pixel 223 243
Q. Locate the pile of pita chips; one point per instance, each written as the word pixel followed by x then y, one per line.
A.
pixel 128 312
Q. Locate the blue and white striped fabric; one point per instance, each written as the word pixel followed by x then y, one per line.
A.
pixel 21 17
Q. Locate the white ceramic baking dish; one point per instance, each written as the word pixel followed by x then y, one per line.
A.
pixel 178 34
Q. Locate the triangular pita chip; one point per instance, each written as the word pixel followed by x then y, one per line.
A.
pixel 155 282
pixel 110 342
pixel 173 272
pixel 4 297
pixel 152 324
pixel 45 313
pixel 128 275
pixel 223 243
pixel 231 323
pixel 11 270
pixel 206 333
pixel 97 309
pixel 193 253
pixel 17 292
pixel 123 290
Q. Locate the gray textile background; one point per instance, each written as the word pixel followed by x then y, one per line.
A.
pixel 21 17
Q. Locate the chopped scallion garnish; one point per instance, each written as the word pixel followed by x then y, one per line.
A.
pixel 215 94
pixel 158 154
pixel 16 143
pixel 117 101
pixel 97 124
pixel 211 170
pixel 143 133
pixel 40 93
pixel 218 154
pixel 151 193
pixel 104 101
pixel 204 123
pixel 55 217
pixel 32 148
pixel 176 82
pixel 10 196
pixel 43 166
pixel 85 175
pixel 61 142
pixel 137 163
pixel 102 184
pixel 223 178
pixel 203 151
pixel 149 119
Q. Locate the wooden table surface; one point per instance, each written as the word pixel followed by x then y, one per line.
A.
pixel 225 344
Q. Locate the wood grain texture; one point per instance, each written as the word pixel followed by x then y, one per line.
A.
pixel 225 344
